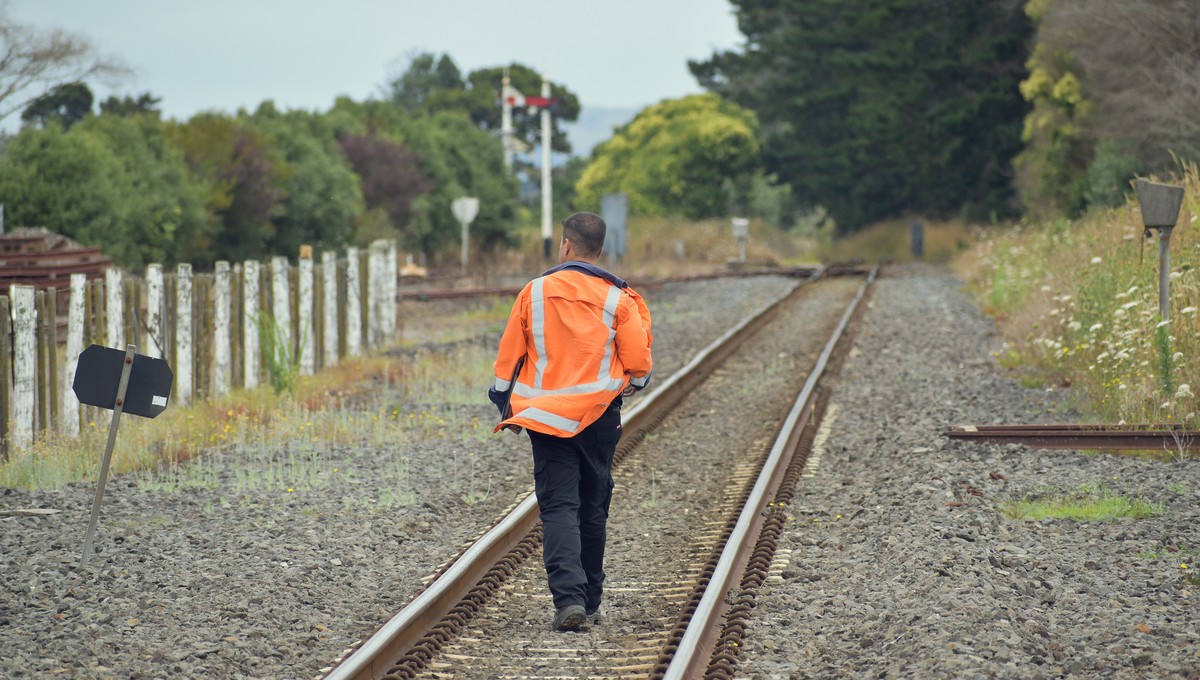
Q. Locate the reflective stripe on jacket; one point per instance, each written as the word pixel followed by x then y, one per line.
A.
pixel 583 340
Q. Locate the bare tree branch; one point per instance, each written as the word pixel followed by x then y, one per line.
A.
pixel 35 61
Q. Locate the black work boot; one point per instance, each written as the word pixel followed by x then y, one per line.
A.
pixel 570 617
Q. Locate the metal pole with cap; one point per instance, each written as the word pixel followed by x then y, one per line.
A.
pixel 1160 205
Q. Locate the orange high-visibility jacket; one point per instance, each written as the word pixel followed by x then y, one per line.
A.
pixel 583 339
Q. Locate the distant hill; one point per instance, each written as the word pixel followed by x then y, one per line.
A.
pixel 595 125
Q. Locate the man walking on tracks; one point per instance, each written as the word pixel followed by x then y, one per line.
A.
pixel 577 340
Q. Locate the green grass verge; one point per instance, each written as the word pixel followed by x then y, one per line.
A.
pixel 1089 503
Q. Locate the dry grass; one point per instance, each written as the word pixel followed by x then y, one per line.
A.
pixel 890 241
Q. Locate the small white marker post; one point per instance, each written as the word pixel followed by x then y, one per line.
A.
pixel 465 209
pixel 741 231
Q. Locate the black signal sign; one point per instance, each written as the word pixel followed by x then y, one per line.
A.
pixel 98 375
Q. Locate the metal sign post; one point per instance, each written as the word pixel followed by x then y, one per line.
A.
pixel 465 209
pixel 118 408
pixel 143 385
pixel 1160 205
pixel 547 186
pixel 614 210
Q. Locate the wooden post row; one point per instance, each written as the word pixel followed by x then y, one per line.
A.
pixel 352 310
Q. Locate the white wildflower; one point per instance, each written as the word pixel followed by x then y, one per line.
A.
pixel 1190 416
pixel 1177 357
pixel 1102 357
pixel 1184 392
pixel 1121 386
pixel 1160 324
pixel 1129 305
pixel 1045 289
pixel 1074 325
pixel 1176 275
pixel 1096 260
pixel 1122 355
pixel 1166 405
pixel 1095 327
pixel 1119 313
pixel 1188 310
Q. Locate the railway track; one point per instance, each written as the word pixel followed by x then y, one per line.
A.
pixel 678 596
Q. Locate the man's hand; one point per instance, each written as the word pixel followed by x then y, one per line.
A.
pixel 628 391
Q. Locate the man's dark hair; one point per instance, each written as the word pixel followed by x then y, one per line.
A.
pixel 586 231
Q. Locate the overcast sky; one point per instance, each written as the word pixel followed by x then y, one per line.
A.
pixel 227 54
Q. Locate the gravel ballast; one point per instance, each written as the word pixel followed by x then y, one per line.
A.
pixel 897 564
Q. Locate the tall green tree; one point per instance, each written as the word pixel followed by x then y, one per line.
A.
pixel 66 182
pixel 322 196
pixel 462 160
pixel 164 216
pixel 66 104
pixel 882 107
pixel 243 178
pixel 110 182
pixel 145 103
pixel 675 158
pixel 437 157
pixel 424 76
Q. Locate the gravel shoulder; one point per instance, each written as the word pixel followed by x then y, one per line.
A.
pixel 899 563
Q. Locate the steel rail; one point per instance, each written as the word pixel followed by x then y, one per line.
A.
pixel 1171 437
pixel 376 656
pixel 695 649
pixel 425 294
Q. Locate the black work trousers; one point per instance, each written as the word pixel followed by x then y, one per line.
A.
pixel 573 481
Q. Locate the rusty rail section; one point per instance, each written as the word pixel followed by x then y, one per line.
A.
pixel 707 638
pixel 1170 437
pixel 405 645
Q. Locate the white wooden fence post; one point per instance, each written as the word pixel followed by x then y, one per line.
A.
pixel 250 324
pixel 154 310
pixel 183 333
pixel 329 281
pixel 114 308
pixel 304 311
pixel 282 309
pixel 221 341
pixel 353 305
pixel 75 307
pixel 393 292
pixel 375 293
pixel 24 364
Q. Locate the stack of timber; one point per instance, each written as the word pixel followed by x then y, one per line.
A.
pixel 43 259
